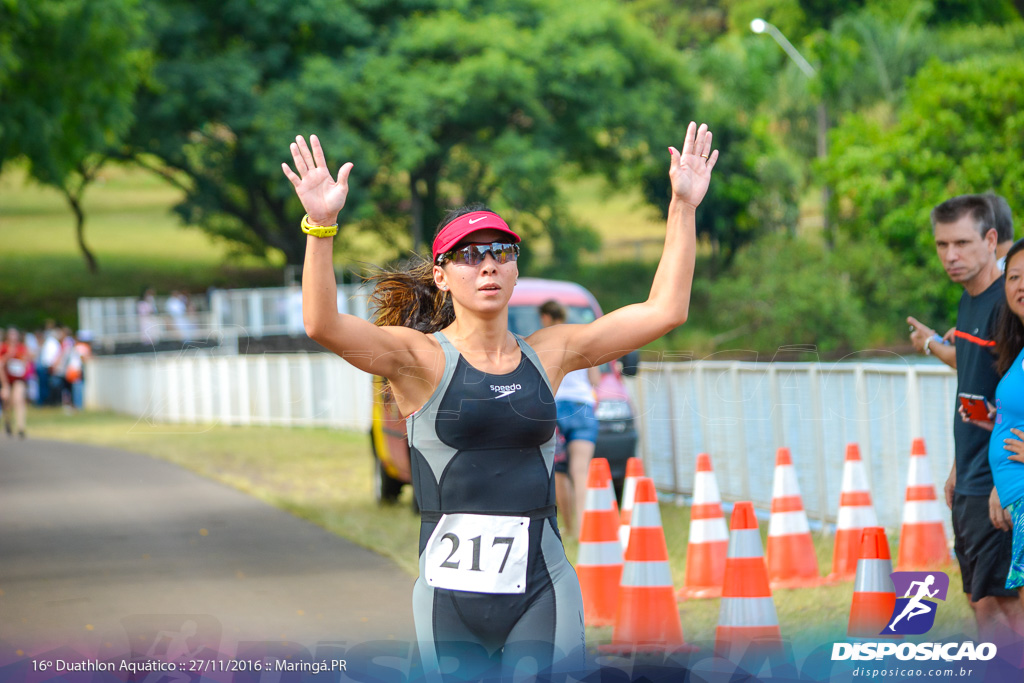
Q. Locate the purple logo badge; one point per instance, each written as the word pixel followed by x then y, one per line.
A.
pixel 916 592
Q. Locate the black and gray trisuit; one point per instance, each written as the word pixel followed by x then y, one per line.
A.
pixel 493 573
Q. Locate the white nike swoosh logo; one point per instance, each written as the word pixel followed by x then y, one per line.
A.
pixel 474 220
pixel 503 395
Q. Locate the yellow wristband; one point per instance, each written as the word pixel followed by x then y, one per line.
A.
pixel 318 230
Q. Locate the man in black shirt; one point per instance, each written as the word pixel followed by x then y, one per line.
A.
pixel 965 238
pixel 944 348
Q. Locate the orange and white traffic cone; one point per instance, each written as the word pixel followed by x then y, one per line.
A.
pixel 747 618
pixel 792 561
pixel 855 514
pixel 709 537
pixel 634 470
pixel 923 542
pixel 874 596
pixel 647 618
pixel 599 565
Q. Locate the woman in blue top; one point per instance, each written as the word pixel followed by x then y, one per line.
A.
pixel 1006 447
pixel 495 588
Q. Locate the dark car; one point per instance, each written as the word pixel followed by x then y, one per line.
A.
pixel 617 436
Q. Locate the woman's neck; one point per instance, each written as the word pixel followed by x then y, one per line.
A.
pixel 488 338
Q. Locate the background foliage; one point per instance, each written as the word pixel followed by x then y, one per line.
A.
pixel 523 104
pixel 436 103
pixel 68 74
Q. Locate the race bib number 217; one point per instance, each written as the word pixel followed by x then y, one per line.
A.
pixel 478 553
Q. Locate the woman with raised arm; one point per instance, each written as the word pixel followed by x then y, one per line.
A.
pixel 494 581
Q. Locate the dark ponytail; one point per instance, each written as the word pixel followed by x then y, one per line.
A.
pixel 406 295
pixel 1009 328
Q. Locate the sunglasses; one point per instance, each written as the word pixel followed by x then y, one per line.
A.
pixel 474 254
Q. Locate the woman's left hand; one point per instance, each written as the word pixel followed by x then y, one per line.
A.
pixel 690 170
pixel 1015 446
pixel 321 195
pixel 987 425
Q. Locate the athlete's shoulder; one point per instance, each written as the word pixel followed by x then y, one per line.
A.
pixel 548 338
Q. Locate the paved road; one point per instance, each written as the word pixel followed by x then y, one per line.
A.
pixel 103 550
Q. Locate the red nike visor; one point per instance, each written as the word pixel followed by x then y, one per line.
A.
pixel 468 223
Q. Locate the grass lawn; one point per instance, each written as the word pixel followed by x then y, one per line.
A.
pixel 130 229
pixel 324 476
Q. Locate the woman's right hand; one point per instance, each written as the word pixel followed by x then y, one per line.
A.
pixel 322 196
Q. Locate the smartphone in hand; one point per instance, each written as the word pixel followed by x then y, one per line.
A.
pixel 975 406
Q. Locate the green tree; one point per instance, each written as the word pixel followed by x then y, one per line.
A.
pixel 692 24
pixel 760 178
pixel 821 13
pixel 783 291
pixel 852 298
pixel 870 55
pixel 873 56
pixel 957 132
pixel 68 71
pixel 436 103
pixel 758 192
pixel 866 61
pixel 976 11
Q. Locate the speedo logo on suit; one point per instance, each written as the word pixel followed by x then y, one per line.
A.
pixel 505 389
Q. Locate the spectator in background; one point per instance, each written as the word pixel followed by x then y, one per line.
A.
pixel 292 311
pixel 966 238
pixel 75 373
pixel 178 310
pixel 32 384
pixel 1004 231
pixel 191 313
pixel 149 321
pixel 1004 226
pixel 574 404
pixel 15 361
pixel 68 360
pixel 49 354
pixel 1003 218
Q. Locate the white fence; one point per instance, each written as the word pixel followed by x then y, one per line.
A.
pixel 738 412
pixel 232 313
pixel 301 389
pixel 274 310
pixel 115 319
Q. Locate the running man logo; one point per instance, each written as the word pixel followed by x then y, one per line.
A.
pixel 914 613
